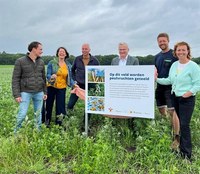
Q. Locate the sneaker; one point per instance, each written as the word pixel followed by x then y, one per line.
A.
pixel 187 161
pixel 175 145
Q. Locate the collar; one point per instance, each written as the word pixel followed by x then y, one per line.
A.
pixel 123 59
pixel 86 57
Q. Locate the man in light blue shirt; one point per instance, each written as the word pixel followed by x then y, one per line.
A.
pixel 124 59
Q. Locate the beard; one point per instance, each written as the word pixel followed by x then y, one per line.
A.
pixel 163 47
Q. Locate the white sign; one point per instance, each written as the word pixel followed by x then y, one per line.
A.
pixel 120 90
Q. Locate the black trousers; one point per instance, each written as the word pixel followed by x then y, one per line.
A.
pixel 184 108
pixel 59 96
pixel 44 112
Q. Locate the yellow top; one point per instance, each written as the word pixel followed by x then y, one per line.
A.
pixel 61 80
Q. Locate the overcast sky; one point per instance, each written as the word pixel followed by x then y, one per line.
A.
pixel 101 23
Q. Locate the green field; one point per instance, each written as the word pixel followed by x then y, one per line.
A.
pixel 110 148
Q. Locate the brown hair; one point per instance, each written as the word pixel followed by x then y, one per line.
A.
pixel 32 45
pixel 163 35
pixel 181 44
pixel 67 54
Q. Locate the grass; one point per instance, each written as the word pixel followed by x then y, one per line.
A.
pixel 106 151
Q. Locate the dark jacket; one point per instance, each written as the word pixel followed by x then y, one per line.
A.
pixel 78 68
pixel 28 76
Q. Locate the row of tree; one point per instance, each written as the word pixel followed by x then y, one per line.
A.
pixel 9 59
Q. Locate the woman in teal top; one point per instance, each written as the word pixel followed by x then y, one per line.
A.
pixel 184 76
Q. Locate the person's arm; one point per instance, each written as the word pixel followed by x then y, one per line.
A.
pixel 112 62
pixel 49 71
pixel 70 81
pixel 115 61
pixel 73 69
pixel 132 60
pixel 187 94
pixel 164 81
pixel 195 76
pixel 169 80
pixel 79 92
pixel 155 61
pixel 16 78
pixel 96 61
pixel 44 87
pixel 136 62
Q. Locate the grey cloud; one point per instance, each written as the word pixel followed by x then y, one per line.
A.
pixel 102 23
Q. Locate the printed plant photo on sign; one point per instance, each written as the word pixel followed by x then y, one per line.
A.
pixel 96 75
pixel 95 104
pixel 97 90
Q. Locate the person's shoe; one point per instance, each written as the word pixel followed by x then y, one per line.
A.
pixel 175 145
pixel 130 148
pixel 47 123
pixel 187 161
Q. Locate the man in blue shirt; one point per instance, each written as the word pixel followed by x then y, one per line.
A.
pixel 163 62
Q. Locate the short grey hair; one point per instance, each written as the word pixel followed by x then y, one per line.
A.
pixel 86 44
pixel 123 43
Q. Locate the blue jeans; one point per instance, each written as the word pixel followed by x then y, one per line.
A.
pixel 37 98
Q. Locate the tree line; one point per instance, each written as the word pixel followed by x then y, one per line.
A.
pixel 9 59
